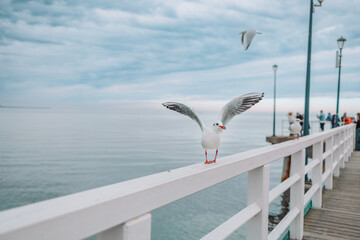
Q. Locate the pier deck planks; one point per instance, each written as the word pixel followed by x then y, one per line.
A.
pixel 339 217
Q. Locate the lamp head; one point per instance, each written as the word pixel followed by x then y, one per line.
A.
pixel 318 5
pixel 275 67
pixel 341 42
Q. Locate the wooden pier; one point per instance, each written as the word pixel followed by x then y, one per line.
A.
pixel 339 217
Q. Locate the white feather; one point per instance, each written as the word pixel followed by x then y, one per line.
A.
pixel 211 135
pixel 247 36
pixel 295 128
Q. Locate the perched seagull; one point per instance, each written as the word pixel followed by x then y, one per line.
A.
pixel 211 135
pixel 295 127
pixel 247 36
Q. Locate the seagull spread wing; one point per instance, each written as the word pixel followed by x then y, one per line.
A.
pixel 247 37
pixel 183 109
pixel 239 105
pixel 242 38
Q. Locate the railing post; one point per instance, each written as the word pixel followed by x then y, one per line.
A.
pixel 258 191
pixel 350 142
pixel 135 229
pixel 317 174
pixel 353 138
pixel 347 144
pixel 336 157
pixel 329 162
pixel 342 148
pixel 297 194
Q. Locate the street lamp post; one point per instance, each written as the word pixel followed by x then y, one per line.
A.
pixel 341 42
pixel 308 69
pixel 307 86
pixel 274 68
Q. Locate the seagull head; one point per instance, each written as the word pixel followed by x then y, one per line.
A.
pixel 218 126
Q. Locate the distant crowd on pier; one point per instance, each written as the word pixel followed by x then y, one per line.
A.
pixel 345 119
pixel 299 119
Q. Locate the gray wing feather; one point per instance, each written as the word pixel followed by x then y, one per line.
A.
pixel 242 38
pixel 239 105
pixel 183 109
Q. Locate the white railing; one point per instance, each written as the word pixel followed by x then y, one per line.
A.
pixel 122 211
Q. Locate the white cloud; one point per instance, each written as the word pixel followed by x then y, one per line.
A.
pixel 65 90
pixel 326 30
pixel 112 51
pixel 283 105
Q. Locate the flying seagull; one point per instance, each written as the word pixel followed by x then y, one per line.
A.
pixel 211 135
pixel 247 36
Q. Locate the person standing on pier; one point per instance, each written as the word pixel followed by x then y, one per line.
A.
pixel 321 117
pixel 333 121
pixel 343 116
pixel 291 118
pixel 329 117
pixel 346 119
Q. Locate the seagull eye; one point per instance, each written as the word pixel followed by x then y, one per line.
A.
pixel 217 124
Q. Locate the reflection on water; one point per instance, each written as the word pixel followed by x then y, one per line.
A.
pixel 284 209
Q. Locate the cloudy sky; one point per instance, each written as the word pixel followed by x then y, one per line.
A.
pixel 115 52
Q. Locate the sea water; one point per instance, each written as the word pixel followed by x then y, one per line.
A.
pixel 47 153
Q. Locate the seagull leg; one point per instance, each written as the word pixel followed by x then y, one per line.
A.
pixel 214 161
pixel 206 162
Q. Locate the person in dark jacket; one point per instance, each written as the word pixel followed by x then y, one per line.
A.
pixel 333 121
pixel 329 117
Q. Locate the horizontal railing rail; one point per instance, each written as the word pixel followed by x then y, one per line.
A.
pixel 119 211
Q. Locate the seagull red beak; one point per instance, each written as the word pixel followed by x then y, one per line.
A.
pixel 222 127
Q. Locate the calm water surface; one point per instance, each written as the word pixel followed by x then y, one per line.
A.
pixel 50 153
